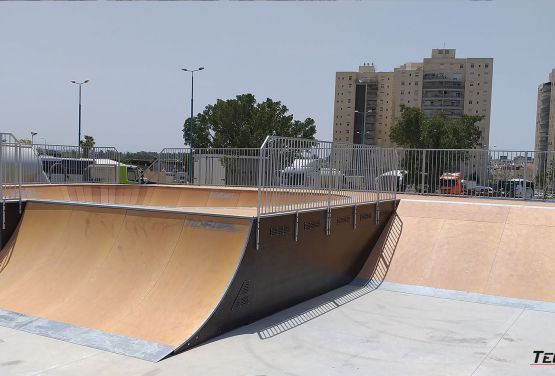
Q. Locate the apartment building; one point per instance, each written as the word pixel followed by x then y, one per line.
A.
pixel 545 128
pixel 368 103
pixel 545 115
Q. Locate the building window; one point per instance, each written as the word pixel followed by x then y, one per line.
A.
pixel 469 102
pixel 350 77
pixel 471 65
pixel 486 65
pixel 416 84
pixel 461 66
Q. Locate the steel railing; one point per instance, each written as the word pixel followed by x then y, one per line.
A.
pixel 44 163
pixel 297 174
pixel 478 173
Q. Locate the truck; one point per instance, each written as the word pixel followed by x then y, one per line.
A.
pixel 450 183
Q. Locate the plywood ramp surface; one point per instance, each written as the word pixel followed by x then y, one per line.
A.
pixel 142 274
pixel 171 196
pixel 504 250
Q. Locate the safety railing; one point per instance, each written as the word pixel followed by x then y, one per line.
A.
pixel 43 163
pixel 205 166
pixel 73 164
pixel 297 174
pixel 476 172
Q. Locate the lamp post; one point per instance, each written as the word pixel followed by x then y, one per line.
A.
pixel 191 123
pixel 80 84
pixel 33 134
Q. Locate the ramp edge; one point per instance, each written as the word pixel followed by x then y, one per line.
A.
pixel 186 345
pixel 137 348
pixel 472 297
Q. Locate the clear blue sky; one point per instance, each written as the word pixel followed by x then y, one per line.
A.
pixel 289 51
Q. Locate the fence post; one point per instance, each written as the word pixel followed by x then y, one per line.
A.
pixel 159 156
pixel 525 183
pixel 423 181
pixel 20 177
pixel 260 184
pixel 2 158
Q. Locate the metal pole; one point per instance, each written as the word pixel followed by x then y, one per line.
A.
pixel 191 131
pixel 79 136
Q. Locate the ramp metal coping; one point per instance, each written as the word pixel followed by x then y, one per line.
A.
pixel 163 209
pixel 167 209
pixel 129 346
pixel 479 203
pixel 472 297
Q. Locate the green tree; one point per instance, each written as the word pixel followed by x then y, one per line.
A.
pixel 86 145
pixel 24 141
pixel 415 130
pixel 243 123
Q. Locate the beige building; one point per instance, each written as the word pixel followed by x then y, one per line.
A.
pixel 368 103
pixel 545 129
pixel 545 116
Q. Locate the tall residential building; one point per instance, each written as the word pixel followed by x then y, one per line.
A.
pixel 545 115
pixel 368 103
pixel 545 129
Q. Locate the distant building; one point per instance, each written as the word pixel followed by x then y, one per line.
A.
pixel 545 129
pixel 368 103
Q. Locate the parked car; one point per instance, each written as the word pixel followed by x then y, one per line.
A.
pixel 483 191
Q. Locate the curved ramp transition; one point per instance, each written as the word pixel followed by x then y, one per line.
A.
pixel 478 246
pixel 140 274
pixel 148 284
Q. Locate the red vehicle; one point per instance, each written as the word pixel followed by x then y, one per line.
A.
pixel 450 183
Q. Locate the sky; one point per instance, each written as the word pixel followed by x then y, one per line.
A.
pixel 138 97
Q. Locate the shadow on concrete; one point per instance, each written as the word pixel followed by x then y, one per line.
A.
pixel 369 279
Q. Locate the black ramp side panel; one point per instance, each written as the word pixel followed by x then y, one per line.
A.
pixel 12 216
pixel 297 260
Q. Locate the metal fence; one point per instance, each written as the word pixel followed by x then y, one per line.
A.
pixel 43 163
pixel 290 174
pixel 206 166
pixel 478 173
pixel 297 174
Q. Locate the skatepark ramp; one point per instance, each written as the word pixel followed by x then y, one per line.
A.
pixel 150 282
pixel 150 270
pixel 494 248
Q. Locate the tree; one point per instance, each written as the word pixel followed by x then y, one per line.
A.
pixel 87 144
pixel 415 130
pixel 24 141
pixel 244 123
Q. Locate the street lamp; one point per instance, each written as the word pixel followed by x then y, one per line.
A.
pixel 33 134
pixel 80 84
pixel 191 125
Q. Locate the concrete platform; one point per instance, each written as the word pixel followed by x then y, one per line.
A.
pixel 350 331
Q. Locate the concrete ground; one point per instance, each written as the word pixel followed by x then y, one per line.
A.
pixel 350 331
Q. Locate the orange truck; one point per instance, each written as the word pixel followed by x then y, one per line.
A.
pixel 450 183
